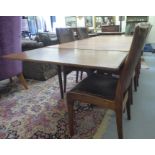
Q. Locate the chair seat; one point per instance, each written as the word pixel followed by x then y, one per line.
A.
pixel 98 85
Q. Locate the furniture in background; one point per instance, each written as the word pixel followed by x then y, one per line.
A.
pixel 35 70
pixel 68 57
pixel 108 91
pixel 131 21
pixel 66 35
pixel 138 67
pixel 82 32
pixel 94 44
pixel 110 28
pixel 10 42
pixel 103 20
pixel 29 44
pixel 47 38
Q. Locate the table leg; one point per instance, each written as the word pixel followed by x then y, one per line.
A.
pixel 60 81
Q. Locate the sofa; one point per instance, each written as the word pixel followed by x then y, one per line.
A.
pixel 34 70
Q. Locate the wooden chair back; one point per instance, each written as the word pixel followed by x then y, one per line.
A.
pixel 82 33
pixel 64 35
pixel 140 34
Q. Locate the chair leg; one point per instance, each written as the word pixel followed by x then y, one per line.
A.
pixel 130 94
pixel 70 105
pixel 135 83
pixel 128 104
pixel 60 81
pixel 119 123
pixel 138 67
pixel 81 75
pixel 128 110
pixel 65 81
pixel 77 76
pixel 22 80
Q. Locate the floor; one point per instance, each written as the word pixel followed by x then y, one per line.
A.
pixel 142 123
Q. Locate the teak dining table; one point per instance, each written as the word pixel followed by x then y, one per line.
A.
pixel 105 42
pixel 101 52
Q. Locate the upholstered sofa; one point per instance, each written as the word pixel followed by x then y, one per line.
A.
pixel 34 70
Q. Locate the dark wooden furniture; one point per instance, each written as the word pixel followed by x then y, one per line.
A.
pixel 108 60
pixel 66 35
pixel 112 42
pixel 108 42
pixel 110 28
pixel 82 32
pixel 138 67
pixel 107 91
pixel 104 20
pixel 131 21
pixel 110 33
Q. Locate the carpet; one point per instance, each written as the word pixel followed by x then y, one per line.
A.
pixel 39 113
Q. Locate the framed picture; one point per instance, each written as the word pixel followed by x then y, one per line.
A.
pixel 71 21
pixel 89 21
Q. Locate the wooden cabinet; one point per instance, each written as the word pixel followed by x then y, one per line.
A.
pixel 131 21
pixel 104 20
pixel 110 28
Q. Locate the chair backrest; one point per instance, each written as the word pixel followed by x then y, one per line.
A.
pixel 82 33
pixel 140 34
pixel 64 35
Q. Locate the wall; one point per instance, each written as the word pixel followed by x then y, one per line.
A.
pixel 151 37
pixel 81 21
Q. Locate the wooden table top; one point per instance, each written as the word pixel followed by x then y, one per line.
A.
pixel 110 60
pixel 105 42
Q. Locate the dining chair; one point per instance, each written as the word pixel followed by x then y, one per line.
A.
pixel 82 32
pixel 66 35
pixel 109 91
pixel 138 67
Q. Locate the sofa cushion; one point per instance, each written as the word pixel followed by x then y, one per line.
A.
pixel 28 44
pixel 47 38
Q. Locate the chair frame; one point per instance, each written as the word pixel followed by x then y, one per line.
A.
pixel 123 95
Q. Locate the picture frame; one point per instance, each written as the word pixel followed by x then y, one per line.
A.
pixel 89 21
pixel 71 21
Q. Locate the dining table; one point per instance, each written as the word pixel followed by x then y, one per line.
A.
pixel 100 52
pixel 103 42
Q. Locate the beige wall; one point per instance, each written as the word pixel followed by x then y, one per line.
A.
pixel 151 37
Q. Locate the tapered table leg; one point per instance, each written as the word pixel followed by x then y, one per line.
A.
pixel 60 81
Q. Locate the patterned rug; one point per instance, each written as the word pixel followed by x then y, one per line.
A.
pixel 39 113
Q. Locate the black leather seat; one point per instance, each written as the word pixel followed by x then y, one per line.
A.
pixel 99 85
